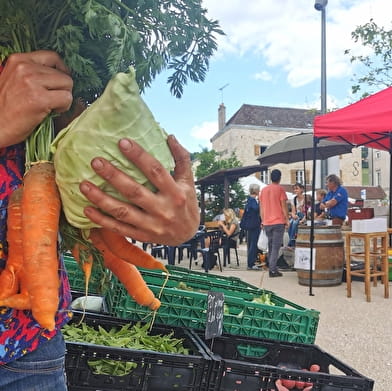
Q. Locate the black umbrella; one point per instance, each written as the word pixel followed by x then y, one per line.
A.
pixel 299 147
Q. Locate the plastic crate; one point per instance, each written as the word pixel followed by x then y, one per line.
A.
pixel 202 284
pixel 217 280
pixel 99 280
pixel 285 321
pixel 155 371
pixel 249 364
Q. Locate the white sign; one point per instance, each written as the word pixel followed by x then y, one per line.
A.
pixel 302 258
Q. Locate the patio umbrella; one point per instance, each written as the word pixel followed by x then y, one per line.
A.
pixel 299 147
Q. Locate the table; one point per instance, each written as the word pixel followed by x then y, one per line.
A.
pixel 375 257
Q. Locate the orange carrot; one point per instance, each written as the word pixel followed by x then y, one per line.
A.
pixel 19 301
pixel 86 263
pixel 127 273
pixel 120 246
pixel 9 277
pixel 41 211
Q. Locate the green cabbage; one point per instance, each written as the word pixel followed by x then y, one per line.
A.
pixel 119 112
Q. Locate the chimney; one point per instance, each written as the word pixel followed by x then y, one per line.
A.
pixel 221 117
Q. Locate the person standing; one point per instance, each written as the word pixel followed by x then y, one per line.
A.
pixel 254 225
pixel 275 218
pixel 335 203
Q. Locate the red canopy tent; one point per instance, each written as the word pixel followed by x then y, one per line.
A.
pixel 367 122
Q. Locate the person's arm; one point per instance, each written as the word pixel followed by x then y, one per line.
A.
pixel 228 231
pixel 31 86
pixel 169 216
pixel 330 203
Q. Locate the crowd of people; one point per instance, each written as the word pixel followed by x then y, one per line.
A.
pixel 271 211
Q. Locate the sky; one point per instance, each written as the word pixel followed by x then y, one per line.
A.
pixel 270 56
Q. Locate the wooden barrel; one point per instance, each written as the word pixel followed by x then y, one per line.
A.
pixel 329 255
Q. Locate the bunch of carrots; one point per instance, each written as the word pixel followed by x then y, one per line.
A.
pixel 30 280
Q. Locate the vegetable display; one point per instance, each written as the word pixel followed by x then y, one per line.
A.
pixel 131 337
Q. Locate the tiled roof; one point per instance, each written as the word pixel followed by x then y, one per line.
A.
pixel 280 117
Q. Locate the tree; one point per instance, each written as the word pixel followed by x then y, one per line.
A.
pixel 377 64
pixel 210 162
pixel 98 38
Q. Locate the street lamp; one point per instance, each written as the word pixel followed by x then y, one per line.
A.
pixel 320 6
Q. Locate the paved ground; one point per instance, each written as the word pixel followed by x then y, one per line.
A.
pixel 354 331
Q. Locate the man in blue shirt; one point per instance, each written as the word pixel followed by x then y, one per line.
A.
pixel 336 200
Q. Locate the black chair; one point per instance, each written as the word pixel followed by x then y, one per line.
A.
pixel 214 241
pixel 228 244
pixel 190 246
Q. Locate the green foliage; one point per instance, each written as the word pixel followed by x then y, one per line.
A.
pixel 99 38
pixel 209 163
pixel 377 65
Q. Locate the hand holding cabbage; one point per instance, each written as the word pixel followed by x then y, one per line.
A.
pixel 168 215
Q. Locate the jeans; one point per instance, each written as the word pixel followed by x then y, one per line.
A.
pixel 275 241
pixel 41 370
pixel 252 236
pixel 293 229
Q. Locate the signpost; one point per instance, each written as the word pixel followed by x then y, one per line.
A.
pixel 215 310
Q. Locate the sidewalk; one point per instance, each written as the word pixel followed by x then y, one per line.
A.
pixel 354 331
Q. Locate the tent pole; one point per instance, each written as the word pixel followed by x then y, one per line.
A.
pixel 311 238
pixel 390 181
pixel 226 192
pixel 202 205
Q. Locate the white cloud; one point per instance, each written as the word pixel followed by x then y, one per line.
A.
pixel 263 75
pixel 204 132
pixel 287 33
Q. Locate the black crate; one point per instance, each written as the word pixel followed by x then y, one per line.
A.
pixel 155 371
pixel 252 364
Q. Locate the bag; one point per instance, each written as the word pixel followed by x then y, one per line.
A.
pixel 262 243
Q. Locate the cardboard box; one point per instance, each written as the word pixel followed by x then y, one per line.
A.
pixel 377 224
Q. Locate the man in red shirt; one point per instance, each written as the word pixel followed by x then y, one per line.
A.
pixel 275 219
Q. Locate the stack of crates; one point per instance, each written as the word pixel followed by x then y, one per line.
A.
pixel 184 304
pixel 261 344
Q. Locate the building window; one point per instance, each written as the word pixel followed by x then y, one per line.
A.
pixel 378 178
pixel 299 176
pixel 259 149
pixel 264 176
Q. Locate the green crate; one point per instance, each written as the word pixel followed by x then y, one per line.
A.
pixel 99 280
pixel 285 321
pixel 234 282
pixel 201 284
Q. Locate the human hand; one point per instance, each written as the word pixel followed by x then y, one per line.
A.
pixel 287 385
pixel 31 86
pixel 169 216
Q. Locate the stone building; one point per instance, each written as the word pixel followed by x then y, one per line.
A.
pixel 253 128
